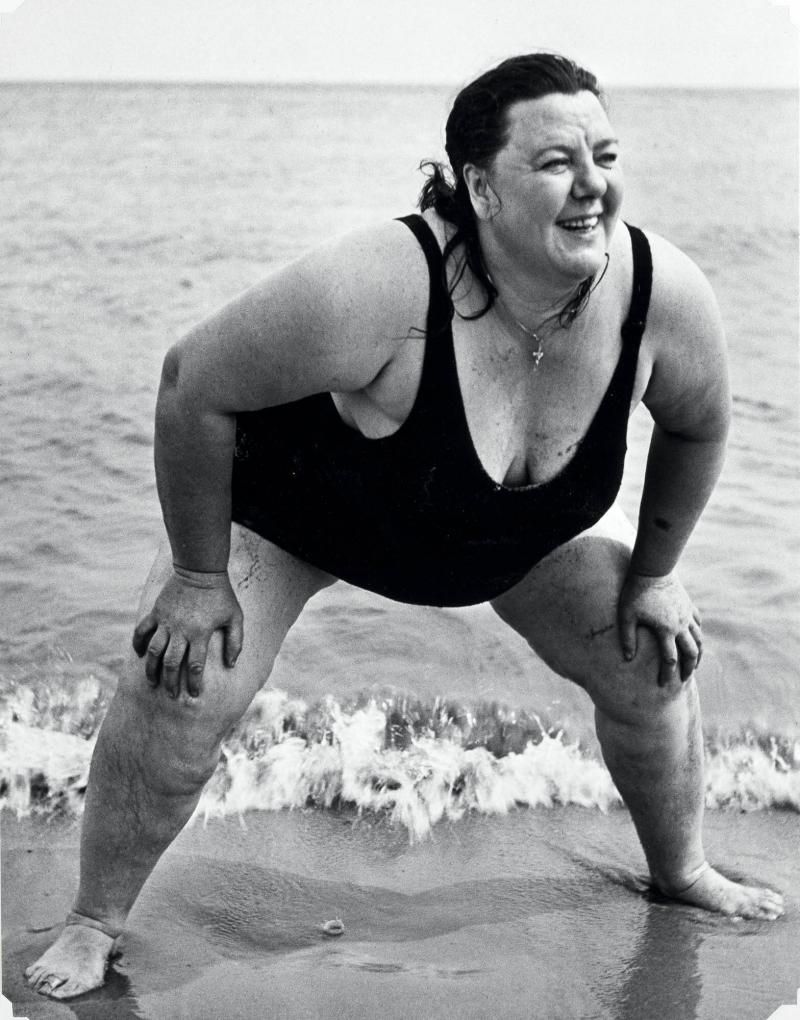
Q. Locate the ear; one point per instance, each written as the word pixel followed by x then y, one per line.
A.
pixel 485 202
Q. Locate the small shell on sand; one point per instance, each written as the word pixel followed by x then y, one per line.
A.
pixel 335 927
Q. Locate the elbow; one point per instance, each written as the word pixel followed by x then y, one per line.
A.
pixel 187 388
pixel 170 369
pixel 719 419
pixel 181 377
pixel 171 403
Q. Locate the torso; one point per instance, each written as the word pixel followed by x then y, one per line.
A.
pixel 448 476
pixel 525 423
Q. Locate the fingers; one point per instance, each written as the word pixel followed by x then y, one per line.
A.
pixel 165 654
pixel 662 607
pixel 143 632
pixel 679 656
pixel 165 659
pixel 689 652
pixel 174 637
pixel 669 658
pixel 627 636
pixel 171 664
pixel 155 650
pixel 195 667
pixel 697 635
pixel 234 639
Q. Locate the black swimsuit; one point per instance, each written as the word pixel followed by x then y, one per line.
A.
pixel 414 515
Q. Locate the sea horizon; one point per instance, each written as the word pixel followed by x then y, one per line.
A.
pixel 392 85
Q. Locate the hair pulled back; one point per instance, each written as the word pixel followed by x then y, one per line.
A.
pixel 476 130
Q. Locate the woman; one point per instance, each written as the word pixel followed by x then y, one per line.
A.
pixel 434 409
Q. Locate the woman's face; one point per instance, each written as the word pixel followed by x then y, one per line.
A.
pixel 556 187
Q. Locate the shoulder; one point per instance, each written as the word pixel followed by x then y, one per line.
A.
pixel 684 341
pixel 377 274
pixel 681 296
pixel 331 320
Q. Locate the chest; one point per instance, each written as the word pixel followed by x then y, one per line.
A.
pixel 527 416
pixel 525 422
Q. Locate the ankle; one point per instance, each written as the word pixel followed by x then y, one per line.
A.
pixel 111 930
pixel 683 883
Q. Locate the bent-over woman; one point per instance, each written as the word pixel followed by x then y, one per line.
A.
pixel 434 409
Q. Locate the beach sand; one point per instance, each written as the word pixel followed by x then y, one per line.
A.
pixel 541 913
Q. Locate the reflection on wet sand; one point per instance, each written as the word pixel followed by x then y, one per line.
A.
pixel 663 977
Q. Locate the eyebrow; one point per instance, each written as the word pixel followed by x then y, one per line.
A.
pixel 610 140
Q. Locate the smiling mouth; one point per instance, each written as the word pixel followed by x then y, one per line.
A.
pixel 580 224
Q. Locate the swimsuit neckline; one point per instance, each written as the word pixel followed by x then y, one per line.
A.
pixel 439 344
pixel 566 468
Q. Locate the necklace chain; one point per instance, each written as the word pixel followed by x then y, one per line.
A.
pixel 538 353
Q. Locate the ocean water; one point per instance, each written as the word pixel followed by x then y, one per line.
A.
pixel 133 211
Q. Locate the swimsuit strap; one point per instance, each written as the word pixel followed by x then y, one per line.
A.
pixel 642 281
pixel 440 307
pixel 439 376
pixel 620 390
pixel 439 396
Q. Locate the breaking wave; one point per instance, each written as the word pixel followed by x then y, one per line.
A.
pixel 410 762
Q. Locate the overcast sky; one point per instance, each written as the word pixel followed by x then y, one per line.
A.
pixel 645 42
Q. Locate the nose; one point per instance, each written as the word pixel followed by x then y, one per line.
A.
pixel 589 181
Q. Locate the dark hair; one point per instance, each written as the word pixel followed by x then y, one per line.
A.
pixel 476 130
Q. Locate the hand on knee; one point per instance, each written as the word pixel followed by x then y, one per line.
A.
pixel 638 691
pixel 661 607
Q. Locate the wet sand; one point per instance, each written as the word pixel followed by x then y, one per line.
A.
pixel 539 914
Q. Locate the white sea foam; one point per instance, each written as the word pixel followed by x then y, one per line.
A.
pixel 415 786
pixel 411 764
pixel 750 773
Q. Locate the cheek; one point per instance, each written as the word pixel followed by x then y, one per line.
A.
pixel 547 200
pixel 614 193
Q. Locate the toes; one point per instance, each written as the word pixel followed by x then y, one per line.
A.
pixel 717 893
pixel 35 975
pixel 763 914
pixel 762 905
pixel 48 984
pixel 69 989
pixel 772 909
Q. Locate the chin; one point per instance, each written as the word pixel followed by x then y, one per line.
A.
pixel 578 270
pixel 578 265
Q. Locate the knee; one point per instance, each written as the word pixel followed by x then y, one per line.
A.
pixel 629 693
pixel 174 743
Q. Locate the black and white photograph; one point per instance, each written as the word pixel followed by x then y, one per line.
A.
pixel 400 607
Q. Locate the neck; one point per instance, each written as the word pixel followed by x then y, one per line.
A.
pixel 528 297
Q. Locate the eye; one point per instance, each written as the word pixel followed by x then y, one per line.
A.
pixel 607 159
pixel 558 163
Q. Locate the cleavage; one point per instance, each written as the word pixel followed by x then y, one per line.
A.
pixel 525 423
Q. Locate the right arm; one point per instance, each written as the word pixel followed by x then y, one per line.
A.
pixel 331 322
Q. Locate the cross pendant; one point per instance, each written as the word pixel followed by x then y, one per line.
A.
pixel 537 356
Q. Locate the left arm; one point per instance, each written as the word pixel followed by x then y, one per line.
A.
pixel 689 398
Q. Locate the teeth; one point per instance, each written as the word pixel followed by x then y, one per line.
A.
pixel 583 223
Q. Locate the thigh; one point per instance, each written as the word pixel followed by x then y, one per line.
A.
pixel 272 587
pixel 566 607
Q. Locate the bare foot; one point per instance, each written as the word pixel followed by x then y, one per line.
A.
pixel 712 891
pixel 75 963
